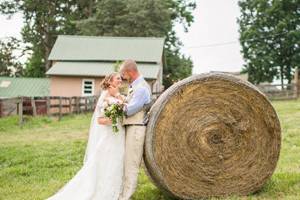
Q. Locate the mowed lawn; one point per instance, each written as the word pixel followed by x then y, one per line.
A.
pixel 40 157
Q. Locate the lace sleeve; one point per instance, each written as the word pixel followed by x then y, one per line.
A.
pixel 99 111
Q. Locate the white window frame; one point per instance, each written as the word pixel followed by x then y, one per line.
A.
pixel 93 87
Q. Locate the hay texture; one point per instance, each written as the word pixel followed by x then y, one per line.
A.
pixel 211 135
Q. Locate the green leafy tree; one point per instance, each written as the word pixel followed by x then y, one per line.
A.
pixel 270 38
pixel 178 67
pixel 9 64
pixel 43 21
pixel 151 18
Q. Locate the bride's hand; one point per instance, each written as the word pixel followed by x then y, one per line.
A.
pixel 104 121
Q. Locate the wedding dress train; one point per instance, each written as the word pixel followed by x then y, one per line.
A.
pixel 100 177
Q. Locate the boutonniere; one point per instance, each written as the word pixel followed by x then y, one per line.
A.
pixel 130 90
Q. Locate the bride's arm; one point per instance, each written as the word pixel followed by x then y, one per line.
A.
pixel 104 121
pixel 101 119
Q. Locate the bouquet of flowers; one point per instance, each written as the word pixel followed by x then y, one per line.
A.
pixel 114 111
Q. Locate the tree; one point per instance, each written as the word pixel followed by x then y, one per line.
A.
pixel 151 18
pixel 43 21
pixel 178 67
pixel 9 64
pixel 270 38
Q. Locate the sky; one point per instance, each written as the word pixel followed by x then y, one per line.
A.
pixel 11 27
pixel 211 42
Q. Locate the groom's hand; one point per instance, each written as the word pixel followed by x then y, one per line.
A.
pixel 125 108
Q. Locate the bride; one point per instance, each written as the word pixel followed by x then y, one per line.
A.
pixel 100 177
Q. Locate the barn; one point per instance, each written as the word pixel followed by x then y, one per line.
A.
pixel 79 63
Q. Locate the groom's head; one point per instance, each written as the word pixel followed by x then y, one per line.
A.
pixel 129 70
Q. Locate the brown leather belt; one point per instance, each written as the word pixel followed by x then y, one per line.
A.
pixel 135 125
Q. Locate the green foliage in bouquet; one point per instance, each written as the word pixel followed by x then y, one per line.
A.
pixel 114 112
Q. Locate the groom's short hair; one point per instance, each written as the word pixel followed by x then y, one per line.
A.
pixel 129 64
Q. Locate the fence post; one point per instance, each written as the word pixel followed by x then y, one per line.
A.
pixel 20 107
pixel 297 82
pixel 92 102
pixel 60 108
pixel 298 89
pixel 85 103
pixel 33 106
pixel 95 102
pixel 0 107
pixel 48 104
pixel 70 105
pixel 294 91
pixel 77 105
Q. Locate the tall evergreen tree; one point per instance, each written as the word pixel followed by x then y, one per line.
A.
pixel 9 64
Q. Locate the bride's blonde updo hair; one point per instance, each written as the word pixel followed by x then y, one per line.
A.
pixel 107 80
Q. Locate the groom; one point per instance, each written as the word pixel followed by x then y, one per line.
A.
pixel 139 95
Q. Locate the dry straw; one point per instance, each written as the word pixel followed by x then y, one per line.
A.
pixel 212 135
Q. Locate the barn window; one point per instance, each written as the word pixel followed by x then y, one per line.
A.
pixel 88 87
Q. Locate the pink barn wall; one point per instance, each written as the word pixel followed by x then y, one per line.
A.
pixel 71 86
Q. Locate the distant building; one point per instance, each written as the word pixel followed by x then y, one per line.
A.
pixel 79 63
pixel 243 76
pixel 21 86
pixel 13 87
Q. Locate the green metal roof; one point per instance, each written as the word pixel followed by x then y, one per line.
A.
pixel 19 86
pixel 92 48
pixel 98 69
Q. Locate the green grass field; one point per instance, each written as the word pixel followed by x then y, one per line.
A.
pixel 40 157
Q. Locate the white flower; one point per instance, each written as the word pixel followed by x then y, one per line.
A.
pixel 105 104
pixel 130 90
pixel 109 108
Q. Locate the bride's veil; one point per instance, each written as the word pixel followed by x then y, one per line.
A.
pixel 95 129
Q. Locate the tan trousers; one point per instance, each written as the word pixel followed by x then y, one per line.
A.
pixel 134 142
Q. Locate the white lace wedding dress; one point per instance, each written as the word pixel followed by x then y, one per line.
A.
pixel 100 177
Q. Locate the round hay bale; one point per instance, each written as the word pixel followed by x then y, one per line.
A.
pixel 211 135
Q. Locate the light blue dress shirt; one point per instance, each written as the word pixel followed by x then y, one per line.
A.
pixel 140 97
